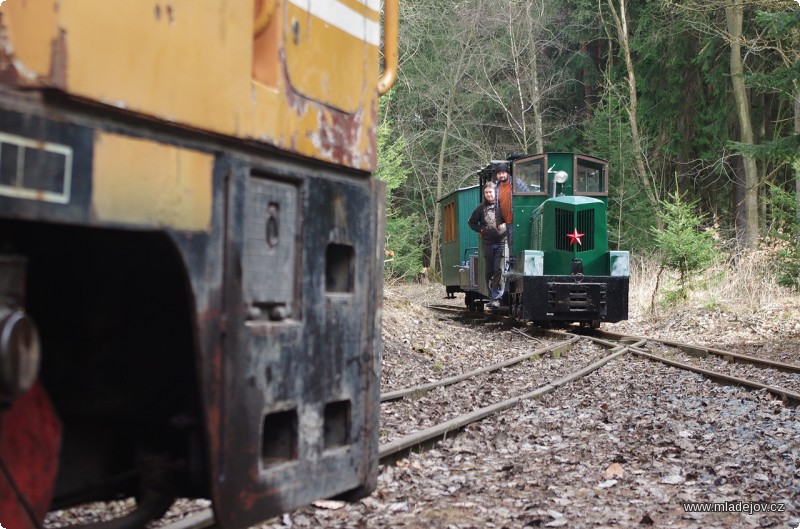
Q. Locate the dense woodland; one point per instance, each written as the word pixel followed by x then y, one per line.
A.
pixel 695 103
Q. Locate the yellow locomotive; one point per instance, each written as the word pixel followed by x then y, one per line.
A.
pixel 190 253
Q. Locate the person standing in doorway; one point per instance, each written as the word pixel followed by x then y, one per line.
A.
pixel 484 221
pixel 503 194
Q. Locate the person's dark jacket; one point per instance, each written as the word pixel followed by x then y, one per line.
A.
pixel 477 222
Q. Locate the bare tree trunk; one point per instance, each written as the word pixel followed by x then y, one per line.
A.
pixel 536 93
pixel 759 137
pixel 585 72
pixel 734 14
pixel 738 187
pixel 455 85
pixel 797 158
pixel 522 24
pixel 621 23
pixel 439 183
pixel 538 132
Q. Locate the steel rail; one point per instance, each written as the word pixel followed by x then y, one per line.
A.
pixel 789 397
pixel 595 339
pixel 555 348
pixel 449 308
pixel 703 351
pixel 388 452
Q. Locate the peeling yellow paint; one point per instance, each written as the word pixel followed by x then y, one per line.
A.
pixel 143 183
pixel 196 63
pixel 22 19
pixel 177 60
pixel 338 78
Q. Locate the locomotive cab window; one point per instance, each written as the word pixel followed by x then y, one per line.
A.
pixel 529 175
pixel 590 176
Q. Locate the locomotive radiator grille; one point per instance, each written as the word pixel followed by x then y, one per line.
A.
pixel 537 231
pixel 565 223
pixel 586 226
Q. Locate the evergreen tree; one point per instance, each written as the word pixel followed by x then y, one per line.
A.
pixel 684 246
pixel 404 241
pixel 786 229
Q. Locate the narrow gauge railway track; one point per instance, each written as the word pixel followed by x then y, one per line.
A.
pixel 396 448
pixel 554 350
pixel 782 380
pixel 722 367
pixel 510 382
pixel 790 397
pixel 704 352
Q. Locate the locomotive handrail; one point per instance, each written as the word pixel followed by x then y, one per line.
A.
pixel 391 16
pixel 470 249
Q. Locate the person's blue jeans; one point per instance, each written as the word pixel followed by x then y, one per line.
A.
pixel 495 255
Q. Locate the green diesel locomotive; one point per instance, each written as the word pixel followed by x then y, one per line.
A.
pixel 560 268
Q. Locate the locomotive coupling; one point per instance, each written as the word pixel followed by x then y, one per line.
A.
pixel 20 351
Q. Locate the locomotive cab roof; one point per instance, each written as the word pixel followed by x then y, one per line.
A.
pixel 532 174
pixel 575 200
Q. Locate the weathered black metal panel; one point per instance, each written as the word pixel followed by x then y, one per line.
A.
pixel 300 364
pixel 270 260
pixel 282 300
pixel 45 168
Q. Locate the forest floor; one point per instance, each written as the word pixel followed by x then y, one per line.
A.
pixel 626 446
pixel 623 447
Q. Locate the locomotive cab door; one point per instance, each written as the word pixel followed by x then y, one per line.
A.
pixel 338 38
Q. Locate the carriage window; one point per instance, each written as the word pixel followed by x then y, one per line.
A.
pixel 450 222
pixel 529 176
pixel 590 177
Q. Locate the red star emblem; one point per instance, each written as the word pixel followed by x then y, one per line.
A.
pixel 575 237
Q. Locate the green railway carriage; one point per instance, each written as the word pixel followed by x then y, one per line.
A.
pixel 562 269
pixel 459 243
